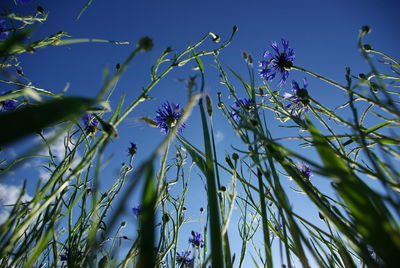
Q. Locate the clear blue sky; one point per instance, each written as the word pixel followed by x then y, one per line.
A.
pixel 322 33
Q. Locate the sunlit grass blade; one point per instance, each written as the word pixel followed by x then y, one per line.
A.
pixel 147 220
pixel 377 226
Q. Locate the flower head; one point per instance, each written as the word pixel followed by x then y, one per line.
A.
pixel 196 240
pixel 7 105
pixel 183 258
pixel 132 150
pixel 3 30
pixel 299 98
pixel 90 122
pixel 280 63
pixel 244 107
pixel 304 169
pixel 136 210
pixel 167 117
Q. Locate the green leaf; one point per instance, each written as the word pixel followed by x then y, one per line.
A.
pixel 33 118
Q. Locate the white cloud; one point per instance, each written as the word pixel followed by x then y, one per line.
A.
pixel 219 136
pixel 8 196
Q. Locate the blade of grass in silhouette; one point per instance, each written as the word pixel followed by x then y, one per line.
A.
pixel 33 118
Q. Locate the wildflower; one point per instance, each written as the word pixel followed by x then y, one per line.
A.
pixel 90 122
pixel 299 98
pixel 304 169
pixel 196 240
pixel 247 57
pixel 132 150
pixel 167 117
pixel 136 210
pixel 242 107
pixel 7 105
pixel 280 64
pixel 3 30
pixel 183 258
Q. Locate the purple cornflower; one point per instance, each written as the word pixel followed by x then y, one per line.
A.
pixel 196 240
pixel 304 169
pixel 7 105
pixel 280 64
pixel 3 30
pixel 132 150
pixel 299 98
pixel 242 107
pixel 167 117
pixel 183 258
pixel 136 210
pixel 90 122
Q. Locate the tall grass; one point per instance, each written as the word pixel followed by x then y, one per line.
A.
pixel 70 221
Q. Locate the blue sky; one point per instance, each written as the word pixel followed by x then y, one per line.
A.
pixel 322 33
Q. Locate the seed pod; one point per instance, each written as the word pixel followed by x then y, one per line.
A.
pixel 215 37
pixel 365 29
pixel 321 216
pixel 145 43
pixel 209 105
pixel 235 156
pixel 367 47
pixel 40 9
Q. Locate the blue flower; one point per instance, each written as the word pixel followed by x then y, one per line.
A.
pixel 136 210
pixel 90 122
pixel 242 107
pixel 167 117
pixel 132 150
pixel 280 64
pixel 183 258
pixel 299 98
pixel 304 169
pixel 7 105
pixel 196 240
pixel 3 30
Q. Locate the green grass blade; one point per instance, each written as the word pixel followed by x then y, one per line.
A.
pixel 33 118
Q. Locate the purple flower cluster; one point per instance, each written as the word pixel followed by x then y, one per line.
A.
pixel 280 63
pixel 196 240
pixel 299 98
pixel 167 117
pixel 183 258
pixel 242 107
pixel 136 210
pixel 89 120
pixel 304 169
